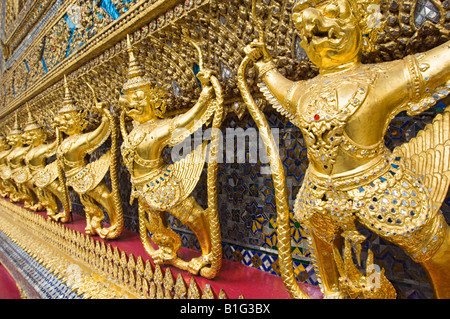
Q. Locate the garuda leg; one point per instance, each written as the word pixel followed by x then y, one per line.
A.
pixel 94 214
pixel 155 223
pixel 57 190
pixel 190 213
pixel 437 267
pixel 429 245
pixel 103 196
pixel 323 236
pixel 28 197
pixel 11 189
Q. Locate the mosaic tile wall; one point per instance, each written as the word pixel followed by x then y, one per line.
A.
pixel 248 213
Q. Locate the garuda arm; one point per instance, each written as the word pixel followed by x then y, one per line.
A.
pixel 86 144
pixel 415 84
pixel 50 150
pixel 188 169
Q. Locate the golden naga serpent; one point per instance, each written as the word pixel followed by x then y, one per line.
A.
pixel 117 219
pixel 213 214
pixel 279 179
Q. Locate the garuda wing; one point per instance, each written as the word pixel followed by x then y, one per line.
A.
pixel 46 175
pixel 188 170
pixel 173 183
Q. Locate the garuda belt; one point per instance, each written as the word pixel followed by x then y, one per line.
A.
pixel 86 178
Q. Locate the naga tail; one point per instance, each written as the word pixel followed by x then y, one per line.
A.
pixel 279 179
pixel 213 213
pixel 428 156
pixel 65 200
pixel 116 218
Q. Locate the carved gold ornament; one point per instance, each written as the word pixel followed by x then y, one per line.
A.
pixel 87 179
pixel 166 188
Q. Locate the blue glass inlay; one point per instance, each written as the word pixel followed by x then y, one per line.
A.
pixel 196 69
pixel 26 65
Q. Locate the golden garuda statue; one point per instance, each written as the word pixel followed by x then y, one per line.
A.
pixel 18 174
pixel 44 176
pixel 344 113
pixel 87 179
pixel 166 188
pixel 6 188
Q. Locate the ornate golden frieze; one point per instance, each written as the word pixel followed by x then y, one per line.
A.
pixel 16 30
pixel 106 36
pixel 159 42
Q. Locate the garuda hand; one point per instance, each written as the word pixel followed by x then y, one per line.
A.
pixel 257 51
pixel 101 107
pixel 204 76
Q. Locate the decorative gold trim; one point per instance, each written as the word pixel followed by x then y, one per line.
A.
pixel 90 267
